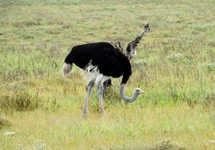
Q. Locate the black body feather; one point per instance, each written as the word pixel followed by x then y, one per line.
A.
pixel 110 61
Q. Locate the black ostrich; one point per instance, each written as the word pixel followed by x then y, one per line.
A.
pixel 101 61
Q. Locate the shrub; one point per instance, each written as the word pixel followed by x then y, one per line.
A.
pixel 19 101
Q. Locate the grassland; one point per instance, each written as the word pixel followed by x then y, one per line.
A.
pixel 175 66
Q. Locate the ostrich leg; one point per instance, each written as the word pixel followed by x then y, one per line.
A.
pixel 107 83
pixel 100 89
pixel 87 98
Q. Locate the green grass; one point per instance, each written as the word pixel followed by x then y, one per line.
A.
pixel 175 66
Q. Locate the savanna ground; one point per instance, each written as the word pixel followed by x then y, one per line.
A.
pixel 175 65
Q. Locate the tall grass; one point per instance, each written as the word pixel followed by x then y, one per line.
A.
pixel 175 65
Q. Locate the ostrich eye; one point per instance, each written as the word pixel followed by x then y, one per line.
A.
pixel 138 90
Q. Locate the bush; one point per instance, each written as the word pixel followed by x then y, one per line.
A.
pixel 19 101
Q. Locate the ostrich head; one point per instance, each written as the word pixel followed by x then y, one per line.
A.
pixel 131 48
pixel 139 91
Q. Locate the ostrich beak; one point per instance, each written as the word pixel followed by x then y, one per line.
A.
pixel 142 93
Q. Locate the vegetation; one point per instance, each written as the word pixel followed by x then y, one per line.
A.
pixel 175 66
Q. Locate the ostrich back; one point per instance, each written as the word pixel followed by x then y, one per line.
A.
pixel 110 61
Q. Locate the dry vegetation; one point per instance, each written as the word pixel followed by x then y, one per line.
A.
pixel 175 65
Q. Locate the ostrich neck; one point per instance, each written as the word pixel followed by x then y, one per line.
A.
pixel 127 99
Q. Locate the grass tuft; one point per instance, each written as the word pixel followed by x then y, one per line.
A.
pixel 19 101
pixel 4 122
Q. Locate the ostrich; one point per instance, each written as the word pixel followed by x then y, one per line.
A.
pixel 101 61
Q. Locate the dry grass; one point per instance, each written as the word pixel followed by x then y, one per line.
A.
pixel 122 128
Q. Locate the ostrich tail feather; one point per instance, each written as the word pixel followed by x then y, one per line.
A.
pixel 66 69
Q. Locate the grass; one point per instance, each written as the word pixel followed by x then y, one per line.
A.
pixel 175 66
pixel 121 128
